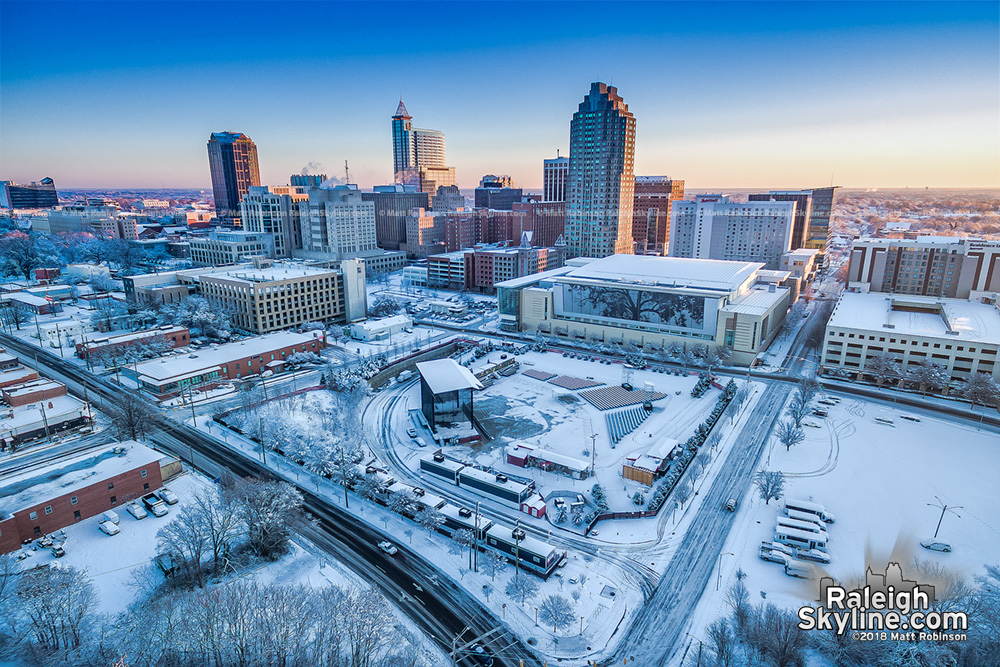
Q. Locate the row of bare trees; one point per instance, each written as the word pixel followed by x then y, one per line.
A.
pixel 979 388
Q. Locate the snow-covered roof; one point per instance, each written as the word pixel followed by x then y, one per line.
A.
pixel 63 408
pixel 135 335
pixel 70 474
pixel 709 274
pixel 450 464
pixel 948 319
pixel 177 365
pixel 529 543
pixel 16 373
pixel 534 278
pixel 385 323
pixel 25 297
pixel 756 301
pixel 444 375
pixel 491 478
pixel 560 459
pixel 32 387
pixel 663 449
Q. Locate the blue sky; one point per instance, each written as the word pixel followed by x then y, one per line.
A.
pixel 735 94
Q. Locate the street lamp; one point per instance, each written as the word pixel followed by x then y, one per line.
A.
pixel 944 508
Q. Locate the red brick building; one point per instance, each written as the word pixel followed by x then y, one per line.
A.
pixel 651 213
pixel 547 220
pixel 32 392
pixel 176 336
pixel 40 502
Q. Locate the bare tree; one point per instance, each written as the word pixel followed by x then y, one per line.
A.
pixel 798 408
pixel 702 461
pixel 56 604
pixel 522 588
pixel 555 610
pixel 132 417
pixel 770 485
pixel 268 510
pixel 722 642
pixel 789 434
pixel 682 492
pixel 185 540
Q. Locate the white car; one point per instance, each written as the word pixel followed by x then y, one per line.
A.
pixel 388 548
pixel 412 432
pixel 936 546
pixel 108 527
pixel 772 556
pixel 167 495
pixel 137 510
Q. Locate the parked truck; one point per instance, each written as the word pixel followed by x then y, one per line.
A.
pixel 154 504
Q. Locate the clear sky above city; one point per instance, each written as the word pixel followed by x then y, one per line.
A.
pixel 726 95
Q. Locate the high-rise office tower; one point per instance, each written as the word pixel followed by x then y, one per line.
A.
pixel 37 195
pixel 497 192
pixel 712 227
pixel 392 204
pixel 275 211
pixel 418 156
pixel 600 185
pixel 651 213
pixel 812 214
pixel 232 159
pixel 337 222
pixel 554 173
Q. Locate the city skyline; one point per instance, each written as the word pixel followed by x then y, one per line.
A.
pixel 876 95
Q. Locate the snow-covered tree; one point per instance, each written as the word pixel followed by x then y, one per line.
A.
pixel 882 366
pixel 789 434
pixel 269 511
pixel 132 417
pixel 980 388
pixel 54 606
pixel 429 518
pixel 928 375
pixel 682 492
pixel 555 610
pixel 492 563
pixel 799 407
pixel 770 484
pixel 522 587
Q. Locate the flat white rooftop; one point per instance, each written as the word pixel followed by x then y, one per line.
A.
pixel 918 316
pixel 27 489
pixel 756 301
pixel 710 274
pixel 187 365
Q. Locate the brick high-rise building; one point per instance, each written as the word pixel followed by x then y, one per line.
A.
pixel 554 173
pixel 812 214
pixel 232 159
pixel 545 219
pixel 651 213
pixel 392 204
pixel 600 186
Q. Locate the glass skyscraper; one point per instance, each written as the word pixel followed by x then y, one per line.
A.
pixel 418 156
pixel 600 185
pixel 232 159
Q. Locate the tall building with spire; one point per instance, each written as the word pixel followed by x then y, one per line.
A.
pixel 232 159
pixel 418 156
pixel 600 185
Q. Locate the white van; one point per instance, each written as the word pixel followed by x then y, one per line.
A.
pixel 807 526
pixel 111 516
pixel 807 507
pixel 799 539
pixel 805 516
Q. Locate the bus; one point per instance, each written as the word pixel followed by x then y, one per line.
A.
pixel 807 526
pixel 799 539
pixel 807 507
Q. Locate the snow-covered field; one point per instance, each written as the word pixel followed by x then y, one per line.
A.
pixel 878 481
pixel 547 416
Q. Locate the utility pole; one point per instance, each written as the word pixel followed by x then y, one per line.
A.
pixel 476 537
pixel 263 451
pixel 343 470
pixel 944 508
pixel 517 549
pixel 59 340
pixel 593 454
pixel 45 422
pixel 194 416
pixel 38 329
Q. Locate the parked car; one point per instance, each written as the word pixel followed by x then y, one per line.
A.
pixel 153 503
pixel 388 548
pixel 111 516
pixel 814 555
pixel 108 527
pixel 772 556
pixel 58 551
pixel 167 495
pixel 136 510
pixel 412 432
pixel 936 546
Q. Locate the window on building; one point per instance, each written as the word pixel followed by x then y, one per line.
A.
pixel 33 516
pixel 48 509
pixel 114 500
pixel 111 485
pixel 73 500
pixel 143 474
pixel 76 515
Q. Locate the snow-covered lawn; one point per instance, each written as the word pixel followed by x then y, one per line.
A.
pixel 878 481
pixel 556 419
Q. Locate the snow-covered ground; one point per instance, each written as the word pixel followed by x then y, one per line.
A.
pixel 878 481
pixel 544 415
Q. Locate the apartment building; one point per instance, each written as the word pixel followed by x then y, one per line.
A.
pixel 943 266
